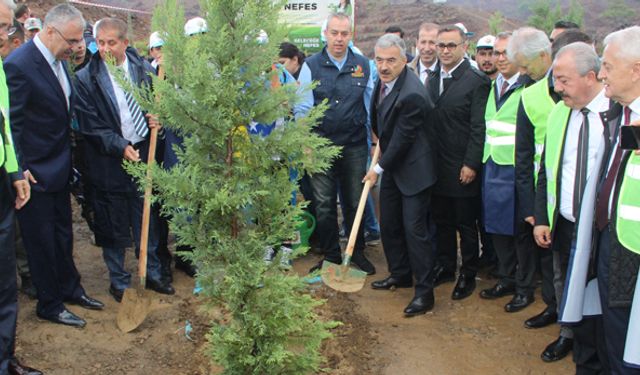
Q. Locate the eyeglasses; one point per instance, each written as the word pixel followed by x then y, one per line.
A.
pixel 72 42
pixel 499 53
pixel 449 46
pixel 8 28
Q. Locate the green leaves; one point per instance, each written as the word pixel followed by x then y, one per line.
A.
pixel 229 196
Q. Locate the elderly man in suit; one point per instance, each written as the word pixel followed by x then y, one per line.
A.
pixel 398 118
pixel 9 175
pixel 460 93
pixel 116 129
pixel 42 99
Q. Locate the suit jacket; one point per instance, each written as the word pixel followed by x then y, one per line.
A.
pixel 40 118
pixel 459 123
pixel 99 120
pixel 399 123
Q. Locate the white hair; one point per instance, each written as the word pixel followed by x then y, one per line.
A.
pixel 584 56
pixel 392 40
pixel 62 14
pixel 9 4
pixel 628 42
pixel 529 43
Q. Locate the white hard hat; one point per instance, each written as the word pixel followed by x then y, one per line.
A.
pixel 196 25
pixel 32 24
pixel 486 41
pixel 155 40
pixel 461 26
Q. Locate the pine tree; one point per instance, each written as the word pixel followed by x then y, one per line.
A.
pixel 229 198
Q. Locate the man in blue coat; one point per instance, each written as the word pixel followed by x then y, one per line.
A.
pixel 42 98
pixel 116 129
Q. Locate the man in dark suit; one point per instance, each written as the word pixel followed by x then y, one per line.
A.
pixel 42 99
pixel 398 118
pixel 460 93
pixel 115 130
pixel 9 175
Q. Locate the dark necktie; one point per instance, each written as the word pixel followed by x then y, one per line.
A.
pixel 602 204
pixel 581 163
pixel 383 92
pixel 426 78
pixel 503 89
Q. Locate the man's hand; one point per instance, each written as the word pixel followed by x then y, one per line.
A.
pixel 542 234
pixel 370 176
pixel 531 220
pixel 29 177
pixel 131 153
pixel 153 121
pixel 23 192
pixel 467 175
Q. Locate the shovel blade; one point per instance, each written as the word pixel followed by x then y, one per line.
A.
pixel 342 278
pixel 133 309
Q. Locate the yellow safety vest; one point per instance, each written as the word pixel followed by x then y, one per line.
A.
pixel 556 129
pixel 500 138
pixel 628 208
pixel 538 104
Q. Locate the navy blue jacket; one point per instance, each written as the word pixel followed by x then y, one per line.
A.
pixel 99 120
pixel 344 122
pixel 40 119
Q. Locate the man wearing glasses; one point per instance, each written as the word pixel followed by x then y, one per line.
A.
pixel 42 100
pixel 460 93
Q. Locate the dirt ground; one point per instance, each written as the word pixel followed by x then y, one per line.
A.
pixel 472 336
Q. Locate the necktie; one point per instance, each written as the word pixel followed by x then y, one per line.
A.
pixel 59 72
pixel 503 89
pixel 139 122
pixel 383 92
pixel 602 205
pixel 426 78
pixel 581 163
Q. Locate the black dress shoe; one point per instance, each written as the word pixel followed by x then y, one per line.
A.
pixel 497 291
pixel 116 293
pixel 519 302
pixel 441 276
pixel 186 267
pixel 160 286
pixel 464 287
pixel 87 302
pixel 66 317
pixel 27 287
pixel 545 318
pixel 557 349
pixel 419 305
pixel 363 263
pixel 318 266
pixel 16 368
pixel 392 283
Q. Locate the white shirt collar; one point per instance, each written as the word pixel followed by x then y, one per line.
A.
pixel 424 68
pixel 599 103
pixel 635 106
pixel 390 85
pixel 51 59
pixel 124 66
pixel 448 74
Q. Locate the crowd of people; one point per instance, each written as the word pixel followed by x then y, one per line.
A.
pixel 521 157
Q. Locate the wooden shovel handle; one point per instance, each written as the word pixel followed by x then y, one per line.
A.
pixel 146 209
pixel 363 201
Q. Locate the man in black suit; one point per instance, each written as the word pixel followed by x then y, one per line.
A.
pixel 460 93
pixel 42 98
pixel 398 113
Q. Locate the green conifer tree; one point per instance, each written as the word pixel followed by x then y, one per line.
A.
pixel 229 198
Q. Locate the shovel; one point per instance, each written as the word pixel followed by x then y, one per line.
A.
pixel 341 277
pixel 136 302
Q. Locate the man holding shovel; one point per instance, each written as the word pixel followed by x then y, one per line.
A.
pixel 116 128
pixel 398 113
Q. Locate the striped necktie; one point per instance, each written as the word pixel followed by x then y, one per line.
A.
pixel 139 122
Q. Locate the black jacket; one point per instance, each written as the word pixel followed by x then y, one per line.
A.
pixel 525 152
pixel 459 126
pixel 399 124
pixel 99 120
